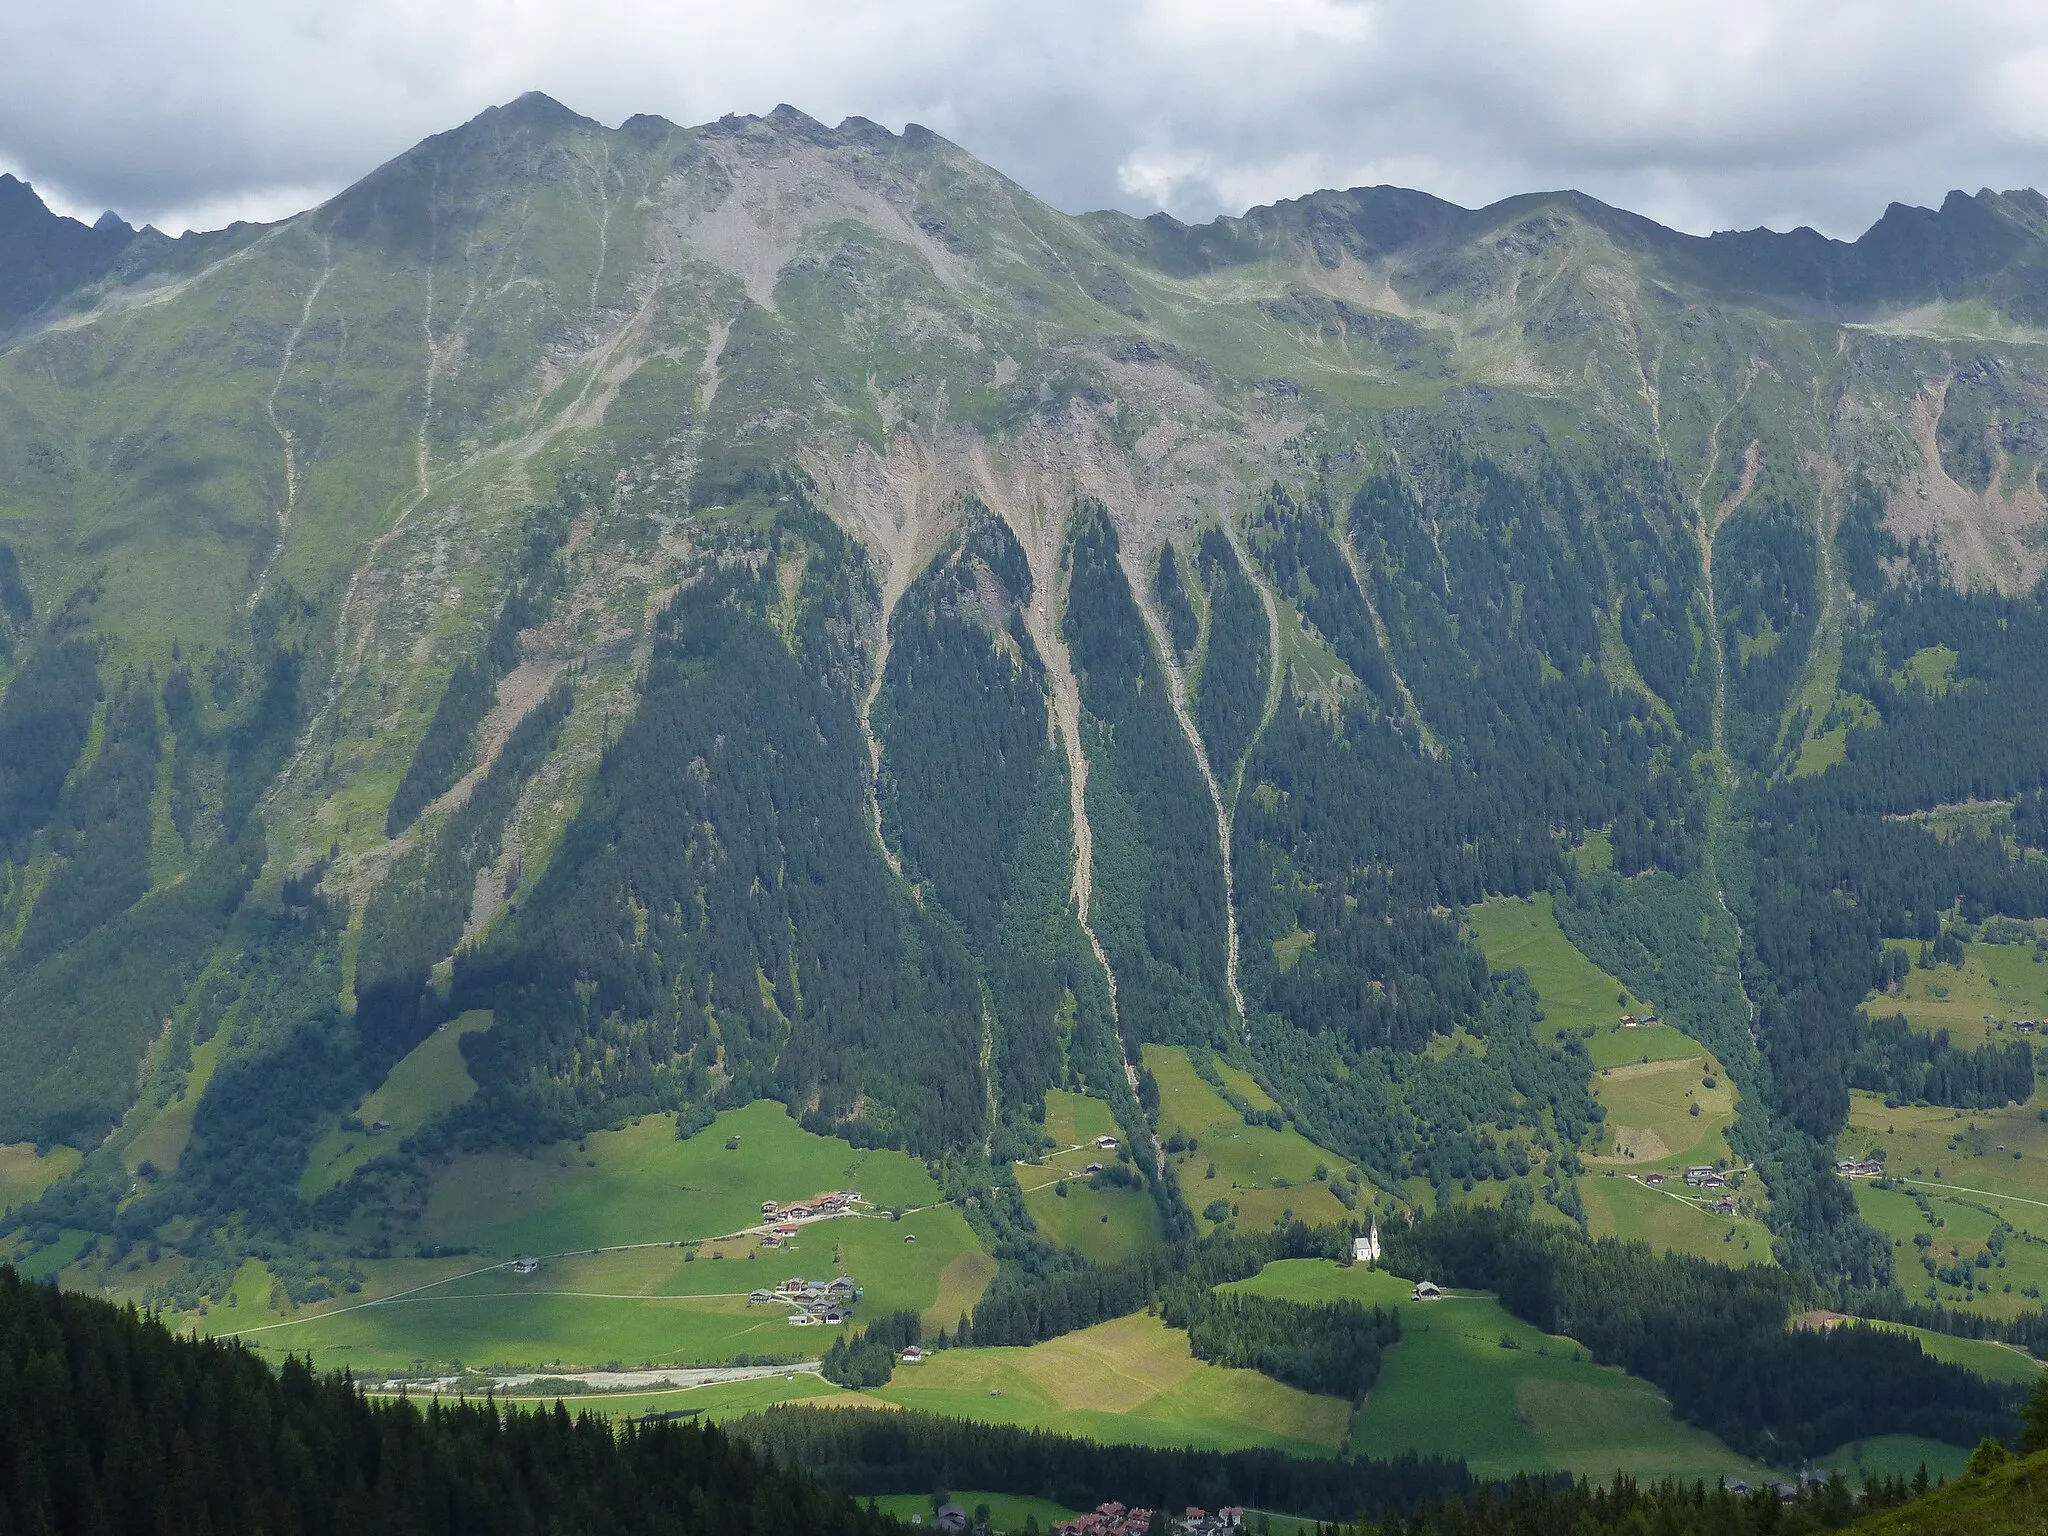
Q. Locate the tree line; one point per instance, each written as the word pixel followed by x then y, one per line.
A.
pixel 108 1422
pixel 914 1452
pixel 1714 1339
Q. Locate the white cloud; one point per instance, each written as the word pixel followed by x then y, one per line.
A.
pixel 1733 112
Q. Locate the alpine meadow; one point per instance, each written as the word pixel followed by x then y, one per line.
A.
pixel 738 771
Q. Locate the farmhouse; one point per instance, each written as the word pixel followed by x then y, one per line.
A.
pixel 1703 1178
pixel 950 1517
pixel 1723 1207
pixel 1861 1168
pixel 525 1266
pixel 1428 1290
pixel 913 1356
pixel 1105 1143
pixel 1654 1180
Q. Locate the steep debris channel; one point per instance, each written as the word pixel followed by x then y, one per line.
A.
pixel 1276 677
pixel 1431 743
pixel 284 436
pixel 1043 538
pixel 1177 688
pixel 1706 528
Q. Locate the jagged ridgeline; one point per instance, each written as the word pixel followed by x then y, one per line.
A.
pixel 767 611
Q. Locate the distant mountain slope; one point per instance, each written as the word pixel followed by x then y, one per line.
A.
pixel 776 610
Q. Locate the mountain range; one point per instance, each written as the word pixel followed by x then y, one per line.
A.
pixel 776 611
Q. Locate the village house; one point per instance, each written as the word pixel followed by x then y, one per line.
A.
pixel 1428 1290
pixel 950 1517
pixel 1723 1207
pixel 1110 1519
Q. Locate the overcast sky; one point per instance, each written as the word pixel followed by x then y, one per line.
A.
pixel 1706 114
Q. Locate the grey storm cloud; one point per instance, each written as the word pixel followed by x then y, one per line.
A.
pixel 1705 114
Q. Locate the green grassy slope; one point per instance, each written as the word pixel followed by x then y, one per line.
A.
pixel 1468 1380
pixel 1131 1381
pixel 2007 1501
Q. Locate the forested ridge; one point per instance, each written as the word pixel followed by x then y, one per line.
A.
pixel 108 1422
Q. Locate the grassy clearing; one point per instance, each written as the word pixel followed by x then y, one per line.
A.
pixel 1671 1221
pixel 1976 1002
pixel 1817 754
pixel 24 1173
pixel 641 1185
pixel 1650 1113
pixel 430 1078
pixel 1453 1386
pixel 48 1263
pixel 1895 1456
pixel 162 1141
pixel 1963 1177
pixel 1103 1224
pixel 1264 1174
pixel 1006 1511
pixel 1987 1357
pixel 1933 667
pixel 1130 1381
pixel 725 1400
pixel 1577 995
pixel 1514 931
